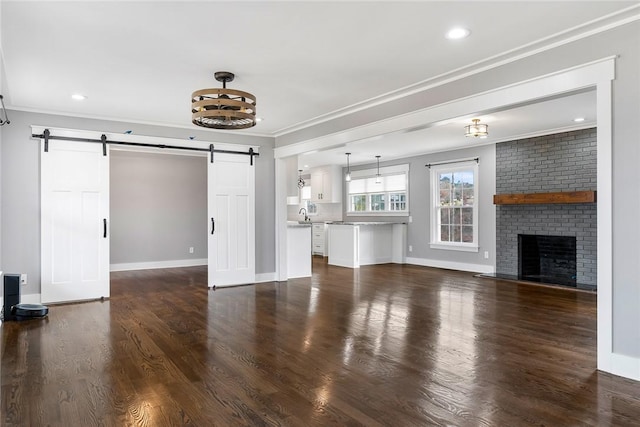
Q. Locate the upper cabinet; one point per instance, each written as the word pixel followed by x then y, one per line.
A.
pixel 326 184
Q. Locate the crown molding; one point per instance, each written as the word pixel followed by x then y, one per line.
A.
pixel 138 122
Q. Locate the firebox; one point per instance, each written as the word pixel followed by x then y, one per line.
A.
pixel 547 259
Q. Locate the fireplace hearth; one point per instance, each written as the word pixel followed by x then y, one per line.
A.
pixel 547 259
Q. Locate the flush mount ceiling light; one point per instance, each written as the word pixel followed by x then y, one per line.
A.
pixel 378 177
pixel 477 129
pixel 348 176
pixel 222 108
pixel 457 33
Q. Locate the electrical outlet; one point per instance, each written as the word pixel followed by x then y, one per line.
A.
pixel 486 254
pixel 410 248
pixel 191 250
pixel 23 279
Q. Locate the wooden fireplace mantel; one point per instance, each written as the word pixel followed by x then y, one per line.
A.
pixel 545 198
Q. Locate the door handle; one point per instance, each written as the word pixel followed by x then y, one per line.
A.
pixel 104 228
pixel 213 225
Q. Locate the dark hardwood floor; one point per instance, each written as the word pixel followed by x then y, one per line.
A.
pixel 387 345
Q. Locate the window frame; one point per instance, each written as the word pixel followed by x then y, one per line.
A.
pixel 310 207
pixel 371 173
pixel 435 171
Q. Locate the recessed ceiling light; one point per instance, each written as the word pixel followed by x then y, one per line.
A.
pixel 457 33
pixel 258 119
pixel 78 97
pixel 306 166
pixel 578 119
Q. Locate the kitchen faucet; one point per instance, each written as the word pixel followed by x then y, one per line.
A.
pixel 306 218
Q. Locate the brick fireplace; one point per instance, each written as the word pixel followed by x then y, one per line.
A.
pixel 561 162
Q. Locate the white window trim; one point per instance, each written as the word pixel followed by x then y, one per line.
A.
pixel 435 187
pixel 371 173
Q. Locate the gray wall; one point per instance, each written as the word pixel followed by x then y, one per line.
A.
pixel 624 42
pixel 418 231
pixel 560 162
pixel 158 207
pixel 20 171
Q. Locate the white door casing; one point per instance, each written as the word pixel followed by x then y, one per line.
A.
pixel 231 207
pixel 74 222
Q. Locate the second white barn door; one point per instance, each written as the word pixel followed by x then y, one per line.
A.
pixel 231 207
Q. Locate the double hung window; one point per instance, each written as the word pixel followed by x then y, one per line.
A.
pixel 454 206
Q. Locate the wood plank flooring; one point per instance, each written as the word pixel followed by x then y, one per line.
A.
pixel 387 345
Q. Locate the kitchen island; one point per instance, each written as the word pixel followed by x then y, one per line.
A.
pixel 352 244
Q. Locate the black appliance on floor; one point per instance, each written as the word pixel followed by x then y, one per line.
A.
pixel 12 309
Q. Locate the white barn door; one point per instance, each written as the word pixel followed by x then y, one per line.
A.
pixel 74 222
pixel 231 207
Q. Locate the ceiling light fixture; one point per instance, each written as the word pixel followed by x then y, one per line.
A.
pixel 348 176
pixel 222 108
pixel 378 177
pixel 78 97
pixel 477 129
pixel 457 33
pixel 300 180
pixel 578 119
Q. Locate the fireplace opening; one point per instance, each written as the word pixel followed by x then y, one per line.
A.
pixel 547 259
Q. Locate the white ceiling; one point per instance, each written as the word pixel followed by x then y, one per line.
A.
pixel 140 61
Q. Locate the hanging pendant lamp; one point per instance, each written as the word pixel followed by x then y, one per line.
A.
pixel 222 108
pixel 300 180
pixel 348 176
pixel 378 177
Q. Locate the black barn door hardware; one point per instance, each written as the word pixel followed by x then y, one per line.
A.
pixel 46 135
pixel 4 119
pixel 104 228
pixel 213 225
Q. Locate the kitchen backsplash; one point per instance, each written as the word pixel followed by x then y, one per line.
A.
pixel 326 212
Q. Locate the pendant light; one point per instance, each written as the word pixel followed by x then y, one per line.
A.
pixel 348 176
pixel 300 180
pixel 378 177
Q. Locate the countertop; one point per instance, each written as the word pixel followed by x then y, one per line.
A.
pixel 295 224
pixel 364 223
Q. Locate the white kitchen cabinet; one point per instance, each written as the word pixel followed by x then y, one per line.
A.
pixel 326 184
pixel 318 245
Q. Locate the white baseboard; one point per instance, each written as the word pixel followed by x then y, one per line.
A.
pixel 621 365
pixel 265 277
pixel 452 265
pixel 158 264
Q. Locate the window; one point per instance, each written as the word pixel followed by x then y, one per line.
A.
pixel 388 197
pixel 454 213
pixel 305 196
